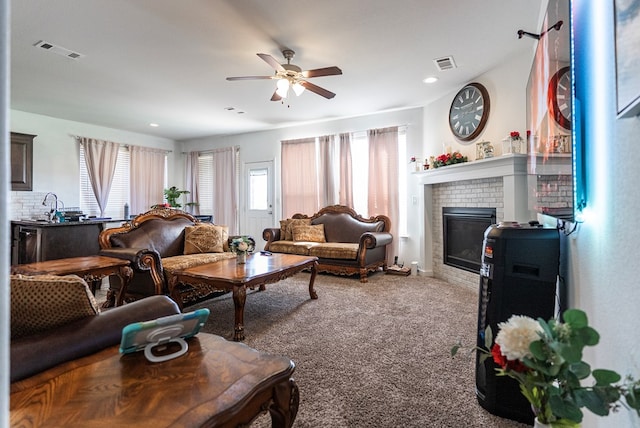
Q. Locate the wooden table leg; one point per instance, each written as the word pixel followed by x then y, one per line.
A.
pixel 239 298
pixel 284 407
pixel 312 280
pixel 125 273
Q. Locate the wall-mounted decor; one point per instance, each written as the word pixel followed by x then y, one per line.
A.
pixel 469 112
pixel 551 180
pixel 21 161
pixel 627 14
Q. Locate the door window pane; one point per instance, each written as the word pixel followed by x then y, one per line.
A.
pixel 258 189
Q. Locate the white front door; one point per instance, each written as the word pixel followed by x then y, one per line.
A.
pixel 259 179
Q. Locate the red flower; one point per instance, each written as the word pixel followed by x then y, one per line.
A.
pixel 514 134
pixel 504 363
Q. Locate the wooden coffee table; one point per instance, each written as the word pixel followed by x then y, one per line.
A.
pixel 227 275
pixel 216 383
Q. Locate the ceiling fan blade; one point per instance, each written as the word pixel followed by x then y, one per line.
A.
pixel 276 97
pixel 326 71
pixel 317 89
pixel 271 61
pixel 249 77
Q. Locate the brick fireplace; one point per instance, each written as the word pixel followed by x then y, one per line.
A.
pixel 499 183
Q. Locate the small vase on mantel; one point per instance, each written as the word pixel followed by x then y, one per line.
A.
pixel 241 258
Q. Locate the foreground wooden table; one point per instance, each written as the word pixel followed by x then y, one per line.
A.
pixel 227 275
pixel 91 268
pixel 217 383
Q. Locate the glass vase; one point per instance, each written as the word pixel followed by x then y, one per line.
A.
pixel 241 258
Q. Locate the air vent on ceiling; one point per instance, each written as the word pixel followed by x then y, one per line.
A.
pixel 445 63
pixel 58 50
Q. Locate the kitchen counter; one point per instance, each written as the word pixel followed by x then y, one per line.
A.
pixel 44 223
pixel 37 241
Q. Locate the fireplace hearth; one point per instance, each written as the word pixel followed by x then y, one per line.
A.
pixel 463 234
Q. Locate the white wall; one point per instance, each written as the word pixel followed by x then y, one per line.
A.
pixel 56 156
pixel 506 85
pixel 603 252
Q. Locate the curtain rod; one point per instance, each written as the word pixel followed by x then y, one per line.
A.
pixel 125 145
pixel 207 152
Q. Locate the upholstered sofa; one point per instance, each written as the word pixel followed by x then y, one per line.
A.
pixel 55 319
pixel 159 243
pixel 344 242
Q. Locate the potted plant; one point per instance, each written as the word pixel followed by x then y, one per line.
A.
pixel 546 360
pixel 172 195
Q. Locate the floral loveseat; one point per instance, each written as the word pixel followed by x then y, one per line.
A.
pixel 344 242
pixel 159 243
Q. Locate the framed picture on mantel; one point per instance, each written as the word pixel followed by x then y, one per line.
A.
pixel 627 14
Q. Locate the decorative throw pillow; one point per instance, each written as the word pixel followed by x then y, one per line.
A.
pixel 284 225
pixel 43 302
pixel 311 233
pixel 225 238
pixel 293 223
pixel 203 238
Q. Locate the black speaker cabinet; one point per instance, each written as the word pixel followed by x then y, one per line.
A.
pixel 518 276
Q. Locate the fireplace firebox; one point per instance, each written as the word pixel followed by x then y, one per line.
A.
pixel 463 234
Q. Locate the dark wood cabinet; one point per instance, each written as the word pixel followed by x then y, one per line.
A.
pixel 21 161
pixel 33 242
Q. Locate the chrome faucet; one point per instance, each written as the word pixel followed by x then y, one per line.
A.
pixel 54 208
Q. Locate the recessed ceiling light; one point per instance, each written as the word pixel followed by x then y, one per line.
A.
pixel 430 79
pixel 153 125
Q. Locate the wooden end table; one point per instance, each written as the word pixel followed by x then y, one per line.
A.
pixel 91 268
pixel 217 383
pixel 228 275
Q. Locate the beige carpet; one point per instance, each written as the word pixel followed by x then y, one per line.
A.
pixel 367 355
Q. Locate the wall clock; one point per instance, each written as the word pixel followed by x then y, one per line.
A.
pixel 559 97
pixel 469 112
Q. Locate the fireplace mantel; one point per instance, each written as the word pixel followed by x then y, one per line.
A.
pixel 508 173
pixel 499 166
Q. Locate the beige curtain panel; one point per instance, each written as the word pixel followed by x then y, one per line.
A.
pixel 100 157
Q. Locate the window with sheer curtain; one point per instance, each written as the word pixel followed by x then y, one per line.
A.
pixel 328 170
pixel 218 186
pixel 120 188
pixel 119 194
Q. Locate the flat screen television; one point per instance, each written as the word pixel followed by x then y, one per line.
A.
pixel 551 119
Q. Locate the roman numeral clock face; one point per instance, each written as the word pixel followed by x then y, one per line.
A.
pixel 469 112
pixel 559 97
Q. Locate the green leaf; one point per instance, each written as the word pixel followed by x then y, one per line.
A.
pixel 605 377
pixel 455 348
pixel 572 354
pixel 565 408
pixel 592 401
pixel 488 337
pixel 581 369
pixel 589 336
pixel 537 349
pixel 575 318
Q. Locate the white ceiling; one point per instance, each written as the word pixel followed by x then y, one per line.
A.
pixel 165 61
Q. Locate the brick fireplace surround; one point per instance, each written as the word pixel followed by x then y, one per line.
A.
pixel 499 182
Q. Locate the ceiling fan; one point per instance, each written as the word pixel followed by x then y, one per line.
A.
pixel 290 76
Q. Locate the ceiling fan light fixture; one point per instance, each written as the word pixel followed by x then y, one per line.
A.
pixel 282 87
pixel 298 88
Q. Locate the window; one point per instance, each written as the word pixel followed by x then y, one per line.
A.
pixel 205 183
pixel 119 194
pixel 258 189
pixel 360 174
pixel 360 169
